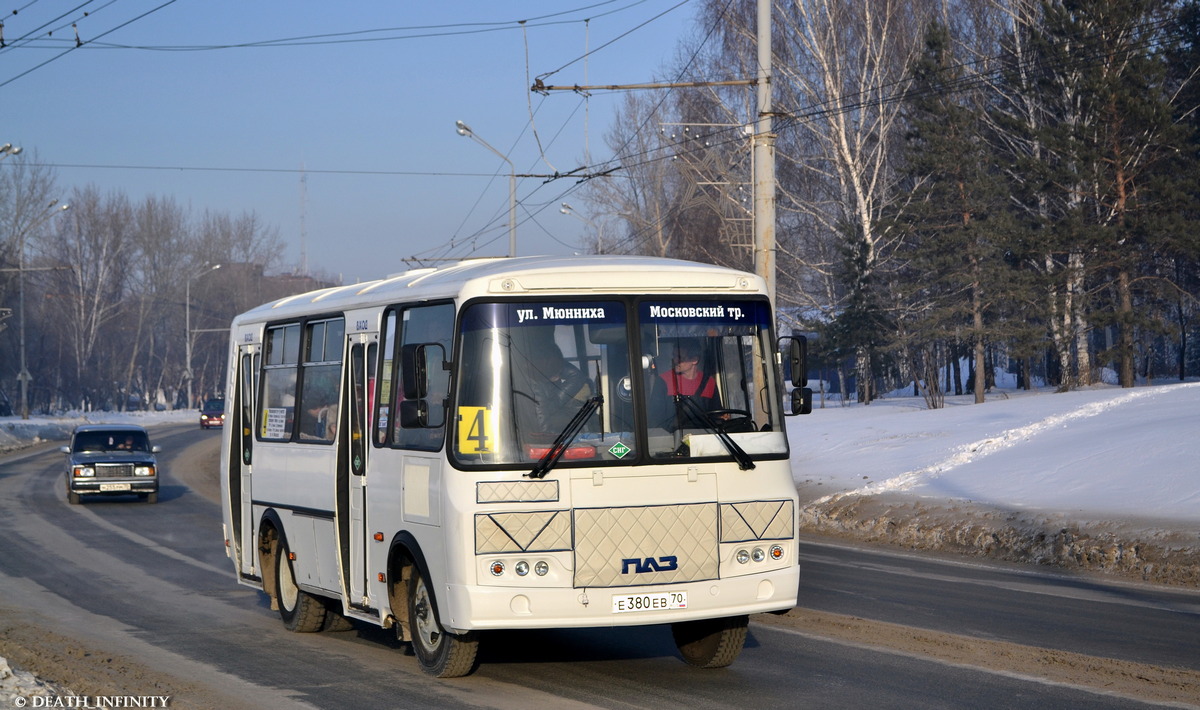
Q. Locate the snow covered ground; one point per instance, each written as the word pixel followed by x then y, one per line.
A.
pixel 17 433
pixel 1099 452
pixel 1105 478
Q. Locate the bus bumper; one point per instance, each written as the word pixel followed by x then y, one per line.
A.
pixel 475 607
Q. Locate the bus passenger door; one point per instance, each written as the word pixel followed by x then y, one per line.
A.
pixel 352 468
pixel 240 428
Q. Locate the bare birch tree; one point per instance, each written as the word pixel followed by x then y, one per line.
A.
pixel 92 238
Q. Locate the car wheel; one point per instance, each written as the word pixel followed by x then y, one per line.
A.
pixel 152 497
pixel 440 654
pixel 301 612
pixel 72 497
pixel 710 643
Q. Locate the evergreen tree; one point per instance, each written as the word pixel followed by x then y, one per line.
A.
pixel 956 284
pixel 1113 136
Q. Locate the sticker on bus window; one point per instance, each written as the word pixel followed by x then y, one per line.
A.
pixel 477 427
pixel 275 423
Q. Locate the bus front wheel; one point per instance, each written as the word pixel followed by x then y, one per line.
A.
pixel 711 643
pixel 440 654
pixel 300 611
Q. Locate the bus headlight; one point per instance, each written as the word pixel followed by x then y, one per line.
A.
pixel 522 568
pixel 759 555
pixel 541 569
pixel 497 568
pixel 743 557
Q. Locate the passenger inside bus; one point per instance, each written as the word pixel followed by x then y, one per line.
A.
pixel 320 418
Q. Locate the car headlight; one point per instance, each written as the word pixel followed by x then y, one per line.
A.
pixel 143 470
pixel 83 471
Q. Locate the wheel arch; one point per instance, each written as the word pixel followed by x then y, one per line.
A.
pixel 404 554
pixel 270 534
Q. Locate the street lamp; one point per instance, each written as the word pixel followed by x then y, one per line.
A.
pixel 465 130
pixel 187 324
pixel 568 209
pixel 54 208
pixel 9 149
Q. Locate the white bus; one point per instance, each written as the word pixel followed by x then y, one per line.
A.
pixel 535 442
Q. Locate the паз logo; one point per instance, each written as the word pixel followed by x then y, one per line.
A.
pixel 649 564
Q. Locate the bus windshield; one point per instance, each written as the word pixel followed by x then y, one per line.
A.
pixel 675 380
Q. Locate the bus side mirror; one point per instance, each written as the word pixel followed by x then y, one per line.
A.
pixel 417 363
pixel 414 413
pixel 420 414
pixel 414 374
pixel 795 348
pixel 802 400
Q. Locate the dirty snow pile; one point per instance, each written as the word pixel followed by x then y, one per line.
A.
pixel 1104 477
pixel 20 684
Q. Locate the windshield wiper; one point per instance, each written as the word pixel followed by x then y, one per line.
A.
pixel 743 459
pixel 568 434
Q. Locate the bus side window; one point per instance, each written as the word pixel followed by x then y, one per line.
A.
pixel 277 403
pixel 321 383
pixel 386 380
pixel 431 327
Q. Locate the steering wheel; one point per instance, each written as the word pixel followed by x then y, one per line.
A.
pixel 735 420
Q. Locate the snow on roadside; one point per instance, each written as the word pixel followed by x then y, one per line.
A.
pixel 1139 440
pixel 17 433
pixel 15 683
pixel 1104 478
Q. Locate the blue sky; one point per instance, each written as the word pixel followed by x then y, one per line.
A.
pixel 368 114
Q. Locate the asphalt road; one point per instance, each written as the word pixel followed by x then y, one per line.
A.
pixel 149 585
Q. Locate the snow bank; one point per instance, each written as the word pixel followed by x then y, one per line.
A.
pixel 1104 478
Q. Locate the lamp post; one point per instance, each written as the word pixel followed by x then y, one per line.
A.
pixel 187 324
pixel 568 209
pixel 24 377
pixel 465 130
pixel 9 149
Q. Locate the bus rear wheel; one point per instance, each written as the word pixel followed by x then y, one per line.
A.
pixel 301 612
pixel 711 643
pixel 440 654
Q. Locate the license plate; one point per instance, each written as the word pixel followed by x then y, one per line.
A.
pixel 655 601
pixel 114 486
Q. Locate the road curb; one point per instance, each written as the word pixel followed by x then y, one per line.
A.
pixel 1159 552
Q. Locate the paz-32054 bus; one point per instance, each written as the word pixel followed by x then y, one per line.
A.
pixel 519 443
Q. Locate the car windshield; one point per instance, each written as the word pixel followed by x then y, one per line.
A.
pixel 215 405
pixel 115 441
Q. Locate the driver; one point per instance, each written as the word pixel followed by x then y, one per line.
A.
pixel 686 379
pixel 559 389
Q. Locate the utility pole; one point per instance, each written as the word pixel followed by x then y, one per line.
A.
pixel 764 159
pixel 763 142
pixel 24 376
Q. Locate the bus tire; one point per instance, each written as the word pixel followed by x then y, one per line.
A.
pixel 301 612
pixel 711 643
pixel 440 654
pixel 335 620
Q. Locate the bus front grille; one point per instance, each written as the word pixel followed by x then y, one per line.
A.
pixel 634 546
